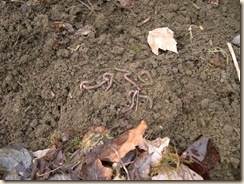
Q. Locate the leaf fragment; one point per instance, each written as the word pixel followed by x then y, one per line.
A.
pixel 96 171
pixel 140 168
pixel 155 148
pixel 203 154
pixel 124 143
pixel 184 173
pixel 162 38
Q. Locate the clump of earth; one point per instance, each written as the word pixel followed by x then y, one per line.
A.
pixel 194 92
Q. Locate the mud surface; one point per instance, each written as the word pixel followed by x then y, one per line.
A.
pixel 194 92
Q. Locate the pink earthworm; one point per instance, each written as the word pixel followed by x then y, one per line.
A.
pixel 105 80
pixel 127 73
pixel 145 72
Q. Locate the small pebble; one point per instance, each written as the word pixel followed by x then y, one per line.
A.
pixel 236 40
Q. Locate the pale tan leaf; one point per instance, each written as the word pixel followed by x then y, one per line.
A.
pixel 40 153
pixel 162 38
pixel 156 147
pixel 184 173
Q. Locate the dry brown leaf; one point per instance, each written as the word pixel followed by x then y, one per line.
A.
pixel 162 38
pixel 124 143
pixel 96 171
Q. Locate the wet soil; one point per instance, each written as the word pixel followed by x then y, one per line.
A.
pixel 194 92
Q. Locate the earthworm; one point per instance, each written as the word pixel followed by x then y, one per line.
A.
pixel 149 81
pixel 135 93
pixel 105 80
pixel 127 73
pixel 82 86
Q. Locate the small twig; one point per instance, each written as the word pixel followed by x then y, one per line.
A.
pixel 234 59
pixel 197 7
pixel 123 165
pixel 143 22
pixel 50 171
pixel 74 49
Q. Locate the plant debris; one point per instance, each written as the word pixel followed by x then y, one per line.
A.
pixel 162 38
pixel 124 143
pixel 203 155
pixel 98 156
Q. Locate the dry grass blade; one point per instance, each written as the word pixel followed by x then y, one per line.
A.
pixel 234 59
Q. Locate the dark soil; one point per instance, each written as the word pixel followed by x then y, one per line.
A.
pixel 194 92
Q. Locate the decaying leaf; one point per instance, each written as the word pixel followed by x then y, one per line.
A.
pixel 124 143
pixel 129 157
pixel 162 38
pixel 41 153
pixel 140 168
pixel 95 136
pixel 96 171
pixel 155 147
pixel 203 155
pixel 59 177
pixel 183 173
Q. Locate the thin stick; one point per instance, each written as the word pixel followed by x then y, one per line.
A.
pixel 234 59
pixel 123 165
pixel 51 171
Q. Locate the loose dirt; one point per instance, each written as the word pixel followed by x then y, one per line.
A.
pixel 194 92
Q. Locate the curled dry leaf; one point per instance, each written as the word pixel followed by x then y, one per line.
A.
pixel 155 148
pixel 140 168
pixel 124 143
pixel 40 153
pixel 203 156
pixel 162 38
